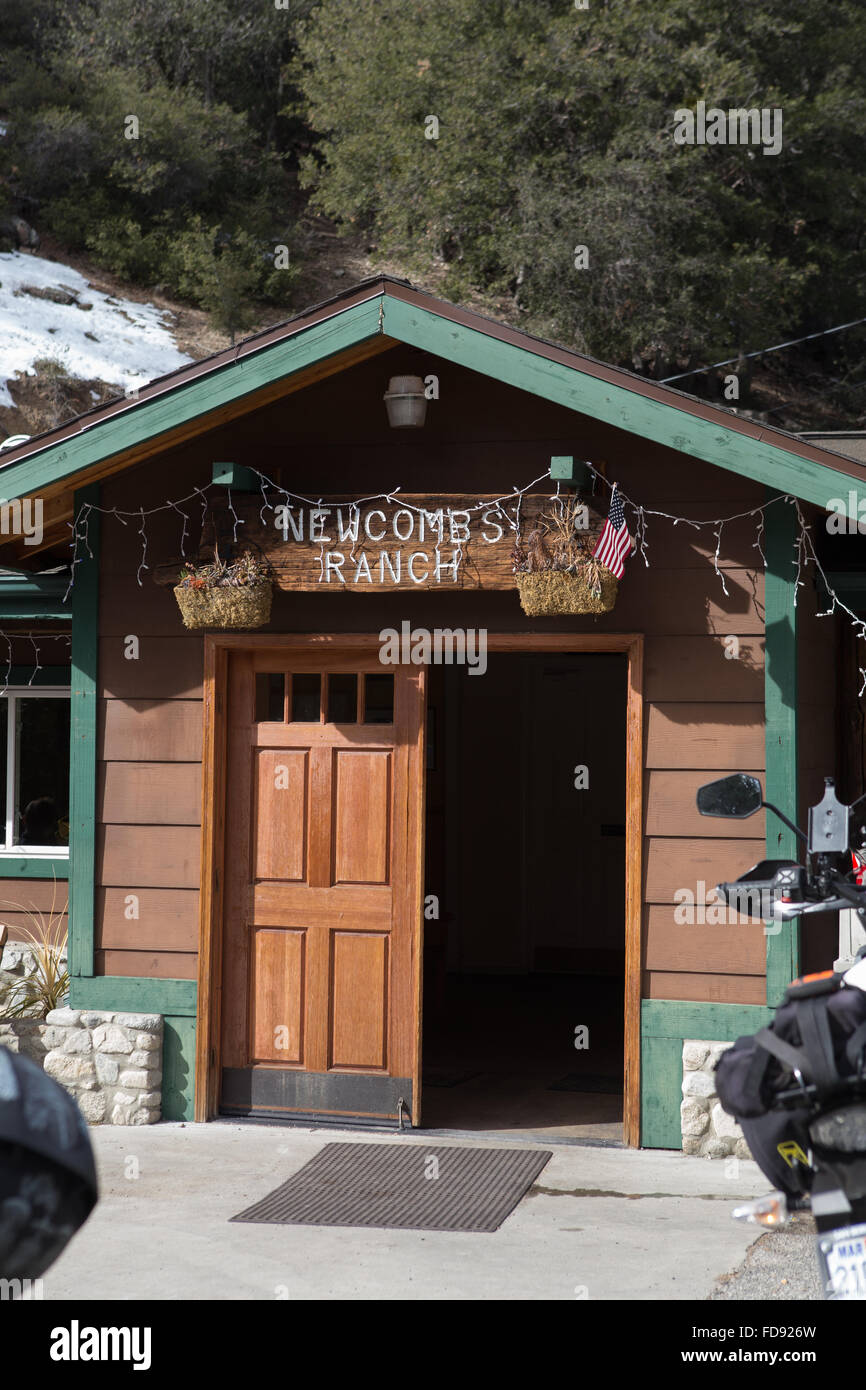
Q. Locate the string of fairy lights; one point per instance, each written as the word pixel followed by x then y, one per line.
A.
pixel 507 508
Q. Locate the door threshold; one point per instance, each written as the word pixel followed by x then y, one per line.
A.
pixel 299 1120
pixel 352 1126
pixel 508 1136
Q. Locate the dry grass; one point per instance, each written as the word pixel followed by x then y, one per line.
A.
pixel 226 607
pixel 553 592
pixel 36 995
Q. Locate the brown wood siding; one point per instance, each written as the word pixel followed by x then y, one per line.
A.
pixel 148 784
pixel 39 896
pixel 167 919
pixel 704 711
pixel 731 949
pixel 716 989
pixel 151 793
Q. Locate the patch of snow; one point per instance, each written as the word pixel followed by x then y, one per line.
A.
pixel 134 345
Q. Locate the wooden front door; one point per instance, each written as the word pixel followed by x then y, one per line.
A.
pixel 321 939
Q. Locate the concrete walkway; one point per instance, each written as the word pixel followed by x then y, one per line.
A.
pixel 600 1223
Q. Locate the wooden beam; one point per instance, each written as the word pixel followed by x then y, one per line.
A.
pixel 236 476
pixel 634 759
pixel 207 1063
pixel 133 994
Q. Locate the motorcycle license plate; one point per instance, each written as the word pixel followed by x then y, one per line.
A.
pixel 842 1259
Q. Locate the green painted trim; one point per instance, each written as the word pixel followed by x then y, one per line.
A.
pixel 178 1068
pixel 780 730
pixel 670 424
pixel 147 419
pixel 661 1069
pixel 235 475
pixel 28 866
pixel 665 1024
pixel 82 759
pixel 46 675
pixel 134 994
pixel 13 609
pixel 33 585
pixel 684 1018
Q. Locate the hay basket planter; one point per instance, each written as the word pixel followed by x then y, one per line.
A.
pixel 225 606
pixel 551 593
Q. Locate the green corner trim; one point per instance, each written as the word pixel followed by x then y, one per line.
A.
pixel 29 866
pixel 82 753
pixel 178 1068
pixel 780 730
pixel 665 1024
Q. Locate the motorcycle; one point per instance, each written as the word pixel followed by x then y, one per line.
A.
pixel 798 1087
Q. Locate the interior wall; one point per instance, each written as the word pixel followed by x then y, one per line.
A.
pixel 534 865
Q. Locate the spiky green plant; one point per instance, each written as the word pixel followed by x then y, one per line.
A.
pixel 36 995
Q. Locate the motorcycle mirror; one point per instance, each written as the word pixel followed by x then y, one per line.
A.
pixel 734 797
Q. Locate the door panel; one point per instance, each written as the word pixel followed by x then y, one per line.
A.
pixel 276 996
pixel 321 959
pixel 281 813
pixel 360 995
pixel 362 816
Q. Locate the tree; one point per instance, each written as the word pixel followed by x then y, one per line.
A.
pixel 554 131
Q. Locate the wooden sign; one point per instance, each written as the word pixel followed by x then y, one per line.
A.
pixel 410 542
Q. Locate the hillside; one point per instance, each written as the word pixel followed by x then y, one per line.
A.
pixel 52 369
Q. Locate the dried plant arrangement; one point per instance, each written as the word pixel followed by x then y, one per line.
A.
pixel 225 594
pixel 555 569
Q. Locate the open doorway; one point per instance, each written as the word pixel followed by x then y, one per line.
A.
pixel 525 865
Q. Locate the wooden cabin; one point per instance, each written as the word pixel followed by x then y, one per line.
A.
pixel 333 875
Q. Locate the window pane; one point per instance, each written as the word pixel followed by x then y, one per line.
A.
pixel 342 699
pixel 270 696
pixel 306 697
pixel 42 753
pixel 379 700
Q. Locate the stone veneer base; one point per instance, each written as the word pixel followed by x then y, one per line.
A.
pixel 110 1062
pixel 707 1129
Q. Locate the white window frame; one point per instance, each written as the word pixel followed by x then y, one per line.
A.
pixel 8 848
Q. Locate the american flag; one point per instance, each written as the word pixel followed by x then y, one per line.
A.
pixel 614 543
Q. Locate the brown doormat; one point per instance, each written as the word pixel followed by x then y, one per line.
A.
pixel 416 1187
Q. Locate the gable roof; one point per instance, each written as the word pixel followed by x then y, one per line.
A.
pixel 372 317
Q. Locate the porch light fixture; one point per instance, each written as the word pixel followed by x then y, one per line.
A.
pixel 405 402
